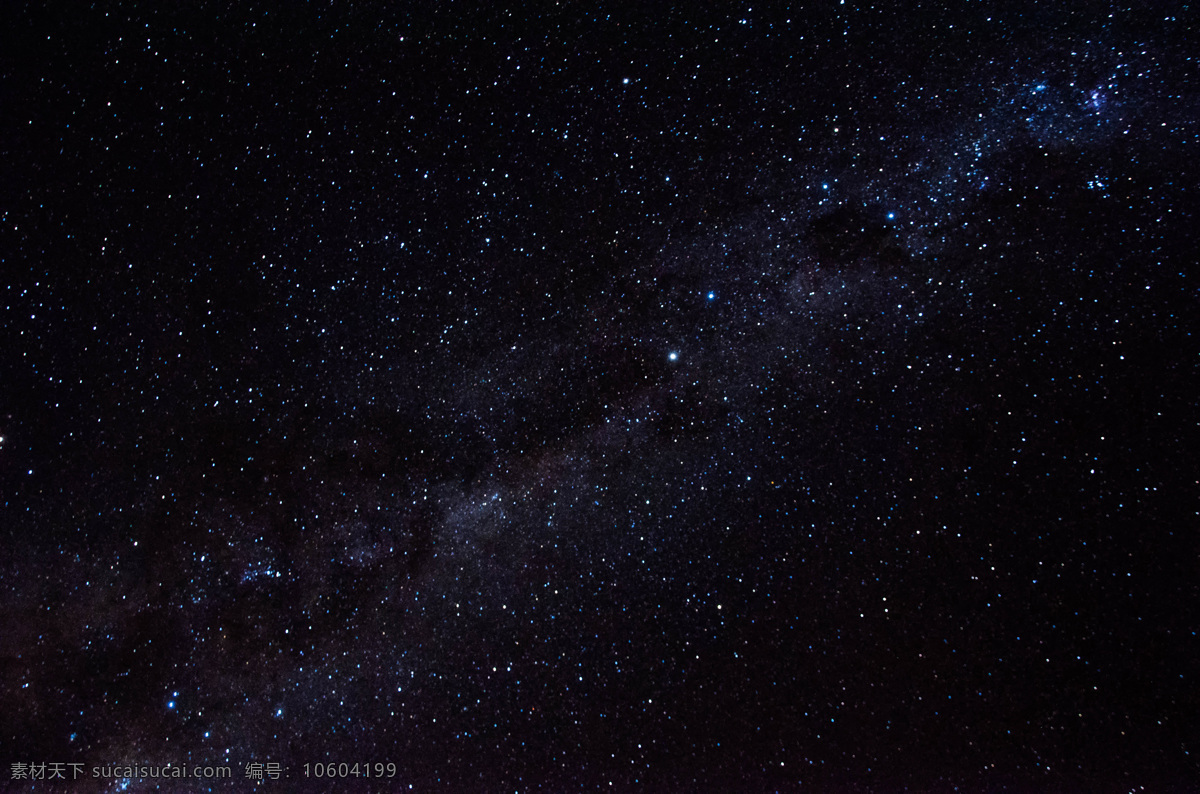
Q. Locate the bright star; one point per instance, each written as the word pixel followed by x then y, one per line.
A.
pixel 673 356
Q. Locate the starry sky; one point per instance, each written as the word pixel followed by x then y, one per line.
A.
pixel 576 396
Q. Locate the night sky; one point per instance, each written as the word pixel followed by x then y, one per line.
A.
pixel 602 396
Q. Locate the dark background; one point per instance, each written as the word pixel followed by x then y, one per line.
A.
pixel 620 396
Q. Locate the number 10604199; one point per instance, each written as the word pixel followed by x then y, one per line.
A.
pixel 357 769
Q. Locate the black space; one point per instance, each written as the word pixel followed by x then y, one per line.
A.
pixel 624 397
